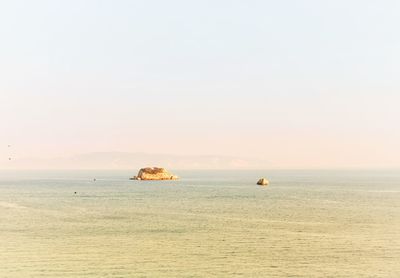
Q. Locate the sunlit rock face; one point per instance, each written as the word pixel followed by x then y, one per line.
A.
pixel 154 173
pixel 263 181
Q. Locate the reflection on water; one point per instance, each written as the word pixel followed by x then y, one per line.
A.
pixel 305 224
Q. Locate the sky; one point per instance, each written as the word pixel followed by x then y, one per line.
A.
pixel 300 84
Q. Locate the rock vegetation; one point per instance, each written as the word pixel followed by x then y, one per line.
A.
pixel 154 173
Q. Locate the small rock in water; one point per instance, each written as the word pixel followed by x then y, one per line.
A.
pixel 263 181
pixel 154 173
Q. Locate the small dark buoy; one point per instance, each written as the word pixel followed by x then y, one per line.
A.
pixel 94 179
pixel 75 192
pixel 9 158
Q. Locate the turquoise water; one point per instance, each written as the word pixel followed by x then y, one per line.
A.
pixel 209 224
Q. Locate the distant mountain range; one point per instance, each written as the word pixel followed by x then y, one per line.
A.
pixel 125 160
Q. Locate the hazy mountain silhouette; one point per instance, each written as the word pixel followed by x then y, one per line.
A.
pixel 125 160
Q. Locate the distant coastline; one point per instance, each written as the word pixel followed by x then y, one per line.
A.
pixel 133 160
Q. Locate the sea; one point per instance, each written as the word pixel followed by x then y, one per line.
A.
pixel 320 223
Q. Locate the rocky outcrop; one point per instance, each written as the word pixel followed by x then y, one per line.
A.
pixel 263 181
pixel 154 173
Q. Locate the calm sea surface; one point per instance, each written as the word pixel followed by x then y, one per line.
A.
pixel 208 224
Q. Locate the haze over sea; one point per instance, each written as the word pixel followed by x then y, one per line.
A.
pixel 325 223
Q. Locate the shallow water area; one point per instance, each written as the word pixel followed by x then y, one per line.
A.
pixel 208 224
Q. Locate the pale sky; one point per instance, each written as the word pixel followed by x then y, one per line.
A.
pixel 302 84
